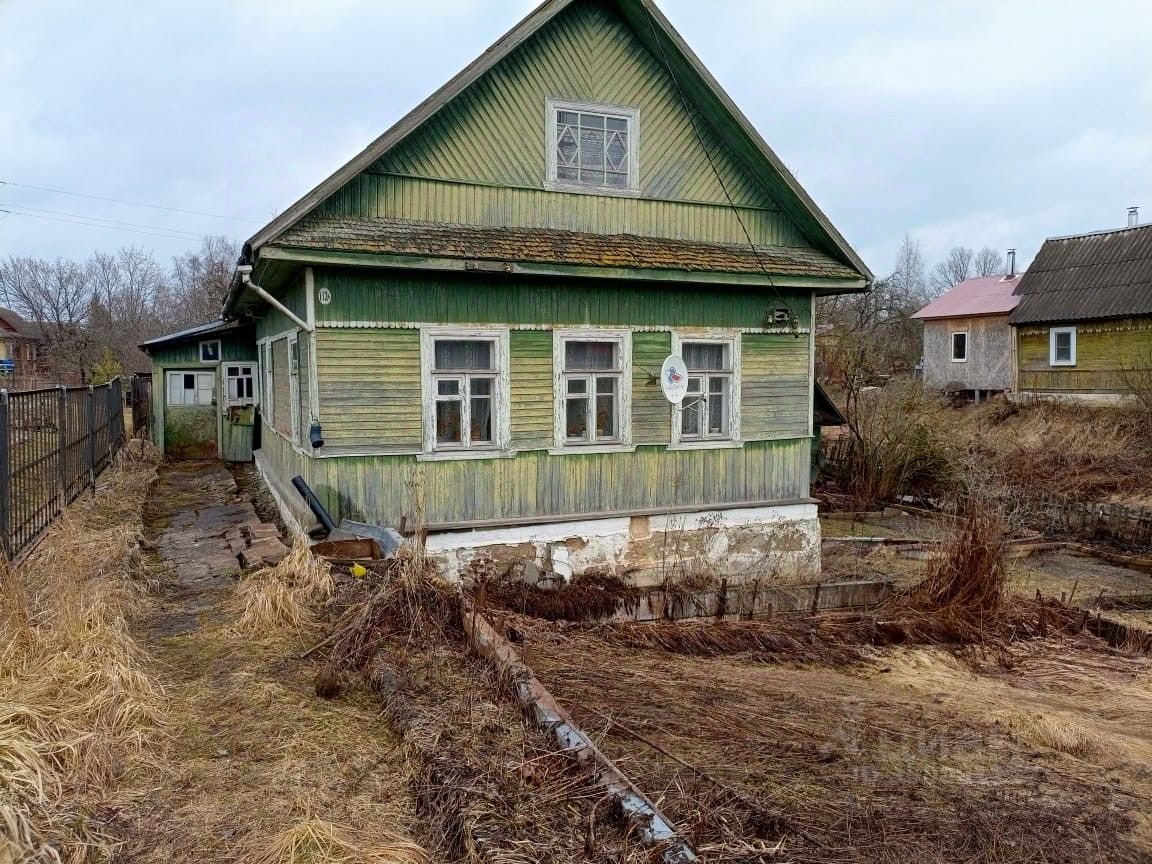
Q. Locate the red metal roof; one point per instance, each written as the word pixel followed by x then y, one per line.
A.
pixel 984 295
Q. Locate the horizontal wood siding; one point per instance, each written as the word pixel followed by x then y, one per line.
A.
pixel 386 488
pixel 303 378
pixel 531 389
pixel 369 387
pixel 359 296
pixel 651 412
pixel 1106 354
pixel 281 388
pixel 774 390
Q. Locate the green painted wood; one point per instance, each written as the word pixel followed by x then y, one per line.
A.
pixel 190 431
pixel 774 390
pixel 651 412
pixel 369 387
pixel 382 296
pixel 291 292
pixel 1108 353
pixel 386 488
pixel 531 388
pixel 482 158
pixel 236 434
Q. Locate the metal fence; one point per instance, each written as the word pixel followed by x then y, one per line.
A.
pixel 54 443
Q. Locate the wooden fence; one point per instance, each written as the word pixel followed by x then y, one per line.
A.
pixel 54 443
pixel 1060 516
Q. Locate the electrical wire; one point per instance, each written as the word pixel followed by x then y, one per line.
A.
pixel 122 201
pixel 101 219
pixel 98 225
pixel 715 170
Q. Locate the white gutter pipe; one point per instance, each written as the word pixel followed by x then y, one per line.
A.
pixel 245 271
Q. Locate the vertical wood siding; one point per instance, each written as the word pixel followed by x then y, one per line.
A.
pixel 359 296
pixel 304 414
pixel 482 158
pixel 651 412
pixel 369 387
pixel 1106 352
pixel 774 386
pixel 385 488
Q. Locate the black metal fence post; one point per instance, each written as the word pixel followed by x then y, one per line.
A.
pixel 90 404
pixel 5 475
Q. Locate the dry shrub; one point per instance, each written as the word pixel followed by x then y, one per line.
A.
pixel 284 597
pixel 896 447
pixel 315 841
pixel 589 596
pixel 80 708
pixel 1054 733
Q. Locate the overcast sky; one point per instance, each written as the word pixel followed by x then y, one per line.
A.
pixel 979 123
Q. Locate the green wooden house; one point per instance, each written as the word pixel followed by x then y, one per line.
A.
pixel 472 315
pixel 1083 326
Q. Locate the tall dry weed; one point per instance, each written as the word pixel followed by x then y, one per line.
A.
pixel 79 708
pixel 285 597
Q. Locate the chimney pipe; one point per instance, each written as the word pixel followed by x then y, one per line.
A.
pixel 1133 217
pixel 1011 263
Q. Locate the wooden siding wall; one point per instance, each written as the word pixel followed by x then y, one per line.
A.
pixel 775 395
pixel 1104 351
pixel 482 159
pixel 385 488
pixel 360 298
pixel 990 363
pixel 281 391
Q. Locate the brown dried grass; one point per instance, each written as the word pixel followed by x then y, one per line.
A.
pixel 285 597
pixel 316 841
pixel 80 707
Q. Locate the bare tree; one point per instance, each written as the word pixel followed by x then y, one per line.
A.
pixel 200 281
pixel 130 294
pixel 952 270
pixel 56 299
pixel 988 262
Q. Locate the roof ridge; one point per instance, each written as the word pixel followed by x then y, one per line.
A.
pixel 1099 232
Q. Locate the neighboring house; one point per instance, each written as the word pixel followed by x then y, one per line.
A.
pixel 463 328
pixel 17 345
pixel 1084 321
pixel 967 337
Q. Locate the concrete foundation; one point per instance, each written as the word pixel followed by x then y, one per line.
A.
pixel 775 545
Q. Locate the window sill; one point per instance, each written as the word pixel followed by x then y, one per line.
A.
pixel 1064 365
pixel 707 445
pixel 609 191
pixel 584 449
pixel 962 360
pixel 464 455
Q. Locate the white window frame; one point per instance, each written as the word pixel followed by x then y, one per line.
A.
pixel 254 376
pixel 622 338
pixel 1052 334
pixel 266 397
pixel 180 373
pixel 294 385
pixel 219 351
pixel 953 336
pixel 632 115
pixel 500 398
pixel 731 339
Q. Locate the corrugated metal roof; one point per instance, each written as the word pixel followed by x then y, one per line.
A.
pixel 1106 274
pixel 199 330
pixel 984 295
pixel 547 246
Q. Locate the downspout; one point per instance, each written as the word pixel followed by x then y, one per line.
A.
pixel 245 271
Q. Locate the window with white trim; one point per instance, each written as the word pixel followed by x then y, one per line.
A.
pixel 593 387
pixel 960 347
pixel 1062 346
pixel 191 388
pixel 592 147
pixel 707 409
pixel 465 390
pixel 240 383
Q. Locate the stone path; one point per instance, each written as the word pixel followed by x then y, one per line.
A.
pixel 207 531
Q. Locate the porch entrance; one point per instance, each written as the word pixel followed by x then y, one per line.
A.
pixel 190 414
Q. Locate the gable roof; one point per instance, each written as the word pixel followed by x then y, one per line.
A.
pixel 1105 274
pixel 200 330
pixel 983 295
pixel 654 30
pixel 18 327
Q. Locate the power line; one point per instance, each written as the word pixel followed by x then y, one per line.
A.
pixel 191 234
pixel 129 203
pixel 98 225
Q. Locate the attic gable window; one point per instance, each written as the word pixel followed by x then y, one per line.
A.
pixel 592 148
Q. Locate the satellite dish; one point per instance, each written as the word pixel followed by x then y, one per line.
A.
pixel 674 379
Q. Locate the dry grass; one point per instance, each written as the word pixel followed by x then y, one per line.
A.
pixel 80 708
pixel 315 841
pixel 285 597
pixel 1055 733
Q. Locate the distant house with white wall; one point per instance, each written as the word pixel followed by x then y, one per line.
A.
pixel 968 342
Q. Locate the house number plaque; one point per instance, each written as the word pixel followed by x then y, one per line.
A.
pixel 324 296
